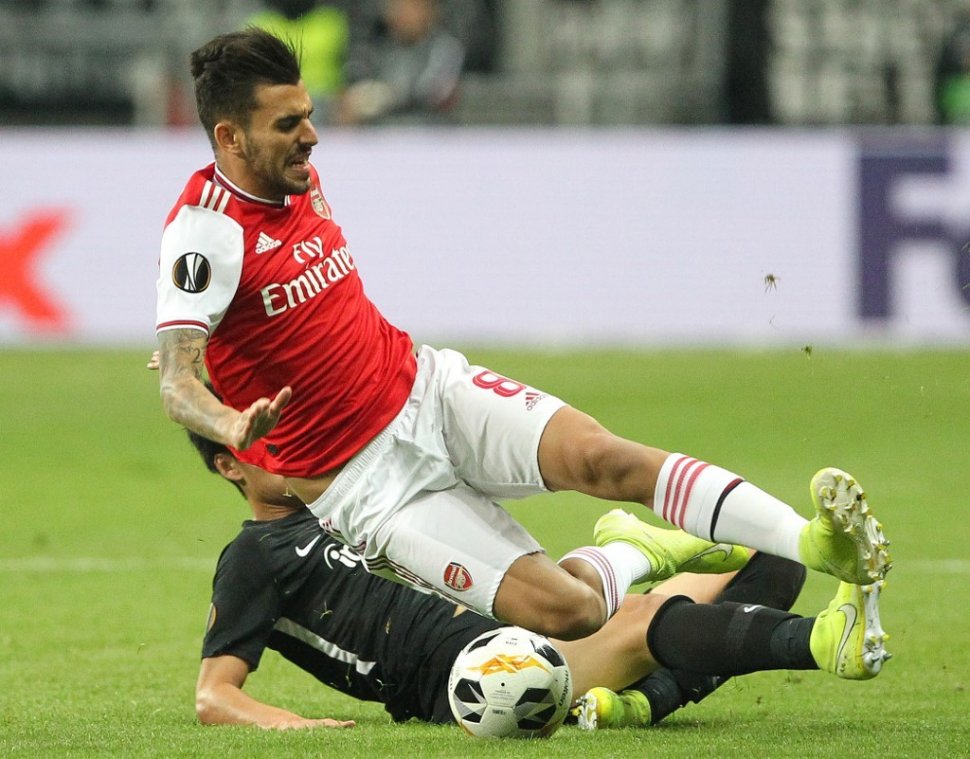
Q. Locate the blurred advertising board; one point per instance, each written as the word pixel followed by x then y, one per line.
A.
pixel 701 237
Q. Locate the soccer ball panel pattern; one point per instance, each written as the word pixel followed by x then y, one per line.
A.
pixel 510 683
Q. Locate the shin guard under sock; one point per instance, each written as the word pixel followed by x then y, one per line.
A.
pixel 728 638
pixel 766 580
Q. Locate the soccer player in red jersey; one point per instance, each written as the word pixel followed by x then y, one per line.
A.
pixel 402 452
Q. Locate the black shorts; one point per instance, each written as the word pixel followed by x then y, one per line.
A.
pixel 432 692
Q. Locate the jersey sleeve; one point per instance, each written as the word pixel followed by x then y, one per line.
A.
pixel 245 604
pixel 199 269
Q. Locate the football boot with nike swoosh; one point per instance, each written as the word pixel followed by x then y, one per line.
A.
pixel 669 550
pixel 847 638
pixel 843 539
pixel 601 708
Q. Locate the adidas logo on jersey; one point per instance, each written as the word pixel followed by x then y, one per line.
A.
pixel 532 400
pixel 266 243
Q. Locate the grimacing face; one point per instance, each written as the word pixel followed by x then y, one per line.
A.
pixel 277 143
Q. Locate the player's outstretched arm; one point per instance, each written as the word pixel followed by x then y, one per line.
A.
pixel 220 700
pixel 186 400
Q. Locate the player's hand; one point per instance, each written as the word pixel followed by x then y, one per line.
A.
pixel 301 723
pixel 258 420
pixel 254 422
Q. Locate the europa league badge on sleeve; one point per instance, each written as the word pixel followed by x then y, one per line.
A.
pixel 192 273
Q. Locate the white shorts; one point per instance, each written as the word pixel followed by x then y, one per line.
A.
pixel 417 501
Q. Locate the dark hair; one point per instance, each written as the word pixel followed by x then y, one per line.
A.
pixel 228 68
pixel 209 449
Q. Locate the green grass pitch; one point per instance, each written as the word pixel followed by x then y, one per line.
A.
pixel 110 527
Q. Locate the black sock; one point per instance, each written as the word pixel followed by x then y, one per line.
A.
pixel 766 580
pixel 727 638
pixel 667 690
pixel 789 642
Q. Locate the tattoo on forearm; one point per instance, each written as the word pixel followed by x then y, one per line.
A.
pixel 186 349
pixel 193 353
pixel 182 364
pixel 181 352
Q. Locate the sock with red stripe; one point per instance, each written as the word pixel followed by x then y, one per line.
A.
pixel 618 566
pixel 718 505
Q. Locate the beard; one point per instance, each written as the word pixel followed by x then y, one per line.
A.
pixel 270 172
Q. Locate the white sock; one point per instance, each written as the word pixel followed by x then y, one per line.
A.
pixel 619 565
pixel 718 505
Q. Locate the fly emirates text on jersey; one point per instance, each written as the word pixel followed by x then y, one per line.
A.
pixel 278 297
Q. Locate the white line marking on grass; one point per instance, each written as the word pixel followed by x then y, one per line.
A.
pixel 938 566
pixel 41 564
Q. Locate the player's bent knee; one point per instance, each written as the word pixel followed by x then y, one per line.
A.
pixel 572 626
pixel 577 615
pixel 553 604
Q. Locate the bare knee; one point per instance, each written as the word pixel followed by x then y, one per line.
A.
pixel 541 596
pixel 577 614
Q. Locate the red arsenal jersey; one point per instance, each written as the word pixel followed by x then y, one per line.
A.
pixel 276 289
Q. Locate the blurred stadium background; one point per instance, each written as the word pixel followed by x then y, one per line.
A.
pixel 699 171
pixel 640 174
pixel 542 62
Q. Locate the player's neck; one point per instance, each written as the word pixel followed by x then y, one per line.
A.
pixel 235 179
pixel 267 512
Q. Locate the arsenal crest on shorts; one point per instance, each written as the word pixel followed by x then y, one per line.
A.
pixel 319 204
pixel 457 577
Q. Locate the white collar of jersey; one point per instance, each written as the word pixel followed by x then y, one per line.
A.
pixel 223 180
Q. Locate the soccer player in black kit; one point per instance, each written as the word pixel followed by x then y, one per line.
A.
pixel 285 585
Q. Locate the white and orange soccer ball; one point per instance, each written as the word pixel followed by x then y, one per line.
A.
pixel 510 683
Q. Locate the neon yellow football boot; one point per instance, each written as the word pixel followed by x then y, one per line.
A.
pixel 843 539
pixel 669 551
pixel 847 638
pixel 601 708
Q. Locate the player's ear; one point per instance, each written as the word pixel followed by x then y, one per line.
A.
pixel 228 467
pixel 228 137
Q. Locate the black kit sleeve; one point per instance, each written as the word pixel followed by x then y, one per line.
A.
pixel 245 603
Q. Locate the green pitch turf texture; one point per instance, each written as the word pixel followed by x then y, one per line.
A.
pixel 110 527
